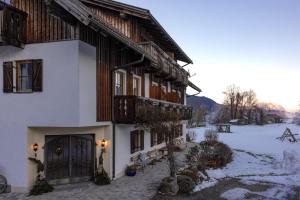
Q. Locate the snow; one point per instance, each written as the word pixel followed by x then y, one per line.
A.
pixel 258 157
pixel 234 121
pixel 258 139
pixel 235 194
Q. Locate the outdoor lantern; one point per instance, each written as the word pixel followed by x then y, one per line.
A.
pixel 35 147
pixel 103 143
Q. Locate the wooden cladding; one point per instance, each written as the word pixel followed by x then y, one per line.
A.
pixel 104 79
pixel 43 27
pixel 127 108
pixel 12 26
pixel 156 92
pixel 113 18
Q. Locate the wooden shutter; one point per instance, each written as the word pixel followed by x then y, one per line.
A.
pixel 8 77
pixel 142 139
pixel 132 134
pixel 152 137
pixel 37 76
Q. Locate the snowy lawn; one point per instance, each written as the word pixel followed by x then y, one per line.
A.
pixel 258 158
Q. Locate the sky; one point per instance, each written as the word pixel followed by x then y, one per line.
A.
pixel 254 44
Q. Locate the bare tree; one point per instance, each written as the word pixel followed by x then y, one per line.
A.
pixel 231 99
pixel 164 122
pixel 239 103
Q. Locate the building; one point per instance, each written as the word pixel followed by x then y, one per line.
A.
pixel 74 73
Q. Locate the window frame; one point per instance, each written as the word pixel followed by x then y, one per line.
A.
pixel 137 141
pixel 122 82
pixel 17 76
pixel 158 139
pixel 139 85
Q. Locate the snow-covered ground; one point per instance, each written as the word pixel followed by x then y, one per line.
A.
pixel 258 157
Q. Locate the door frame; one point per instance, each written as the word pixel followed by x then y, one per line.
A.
pixel 72 179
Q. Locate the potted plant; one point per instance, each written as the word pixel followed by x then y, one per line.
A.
pixel 131 170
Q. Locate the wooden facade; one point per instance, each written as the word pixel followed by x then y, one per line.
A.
pixel 42 26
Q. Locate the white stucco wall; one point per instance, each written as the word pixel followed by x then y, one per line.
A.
pixel 68 100
pixel 87 84
pixel 123 153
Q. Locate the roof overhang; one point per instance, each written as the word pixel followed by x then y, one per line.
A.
pixel 148 19
pixel 192 85
pixel 83 14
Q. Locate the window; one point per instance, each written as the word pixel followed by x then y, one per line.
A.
pixel 136 86
pixel 119 83
pixel 24 76
pixel 136 141
pixel 156 138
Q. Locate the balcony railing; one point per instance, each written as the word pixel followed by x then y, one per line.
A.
pixel 168 66
pixel 12 26
pixel 157 93
pixel 127 108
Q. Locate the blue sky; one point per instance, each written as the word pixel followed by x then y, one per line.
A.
pixel 252 43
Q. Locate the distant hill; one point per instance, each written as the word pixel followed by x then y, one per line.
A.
pixel 206 102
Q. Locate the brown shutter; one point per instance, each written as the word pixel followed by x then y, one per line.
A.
pixel 132 142
pixel 152 137
pixel 8 77
pixel 142 139
pixel 37 76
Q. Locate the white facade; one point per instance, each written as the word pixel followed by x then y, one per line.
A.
pixel 68 99
pixel 67 105
pixel 123 154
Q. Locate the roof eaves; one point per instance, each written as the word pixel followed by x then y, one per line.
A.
pixel 143 13
pixel 88 18
pixel 192 85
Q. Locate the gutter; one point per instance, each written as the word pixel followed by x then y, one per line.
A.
pixel 185 65
pixel 112 107
pixel 192 85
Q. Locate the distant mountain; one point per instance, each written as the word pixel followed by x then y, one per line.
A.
pixel 206 102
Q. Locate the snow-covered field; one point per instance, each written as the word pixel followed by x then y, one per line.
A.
pixel 258 157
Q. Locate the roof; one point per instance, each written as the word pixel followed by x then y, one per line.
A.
pixel 192 85
pixel 82 13
pixel 148 19
pixel 88 18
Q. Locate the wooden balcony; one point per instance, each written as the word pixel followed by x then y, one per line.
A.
pixel 12 26
pixel 167 66
pixel 127 108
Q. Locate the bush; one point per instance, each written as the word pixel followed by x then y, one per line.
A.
pixel 191 172
pixel 185 183
pixel 224 152
pixel 211 136
pixel 102 178
pixel 168 186
pixel 41 186
pixel 193 155
pixel 209 154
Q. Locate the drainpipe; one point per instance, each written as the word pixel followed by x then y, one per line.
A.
pixel 112 106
